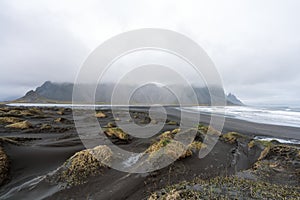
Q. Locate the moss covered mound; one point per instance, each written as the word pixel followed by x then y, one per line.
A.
pixel 61 111
pixel 232 137
pixel 206 132
pixel 20 125
pixel 4 109
pixel 278 164
pixel 276 175
pixel 117 133
pixel 173 123
pixel 24 112
pixel 84 164
pixel 100 114
pixel 62 120
pixel 4 166
pixel 284 152
pixel 45 126
pixel 261 143
pixel 9 120
pixel 111 125
pixel 156 146
pixel 34 111
pixel 193 148
pixel 174 149
pixel 169 134
pixel 163 140
pixel 226 188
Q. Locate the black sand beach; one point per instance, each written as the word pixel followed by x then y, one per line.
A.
pixel 37 148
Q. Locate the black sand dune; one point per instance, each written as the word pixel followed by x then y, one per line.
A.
pixel 35 152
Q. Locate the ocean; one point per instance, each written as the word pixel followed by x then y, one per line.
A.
pixel 284 116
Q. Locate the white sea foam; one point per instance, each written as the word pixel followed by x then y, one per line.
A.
pixel 276 116
pixel 281 140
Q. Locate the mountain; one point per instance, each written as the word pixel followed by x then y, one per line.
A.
pixel 153 94
pixel 33 96
pixel 234 100
pixel 56 91
pixel 147 94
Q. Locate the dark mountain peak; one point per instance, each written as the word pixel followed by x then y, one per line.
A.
pixel 56 91
pixel 32 96
pixel 231 98
pixel 45 85
pixel 31 93
pixel 153 93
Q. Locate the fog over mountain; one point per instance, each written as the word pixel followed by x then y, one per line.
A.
pixel 148 94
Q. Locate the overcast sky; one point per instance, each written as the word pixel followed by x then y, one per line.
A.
pixel 254 44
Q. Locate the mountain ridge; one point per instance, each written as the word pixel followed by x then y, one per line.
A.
pixel 50 92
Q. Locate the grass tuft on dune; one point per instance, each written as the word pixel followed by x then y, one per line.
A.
pixel 84 164
pixel 9 120
pixel 172 148
pixel 4 166
pixel 116 132
pixel 20 125
pixel 226 188
pixel 232 137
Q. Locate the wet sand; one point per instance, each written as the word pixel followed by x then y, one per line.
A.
pixel 37 151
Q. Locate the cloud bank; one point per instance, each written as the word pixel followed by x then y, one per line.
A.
pixel 254 44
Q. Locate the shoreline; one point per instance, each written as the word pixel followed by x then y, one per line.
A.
pixel 231 123
pixel 250 128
